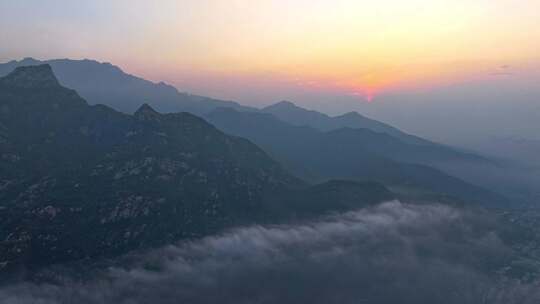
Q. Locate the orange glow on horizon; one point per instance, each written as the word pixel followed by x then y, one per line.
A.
pixel 354 47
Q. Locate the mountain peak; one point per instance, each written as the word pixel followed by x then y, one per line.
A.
pixel 29 61
pixel 31 77
pixel 352 114
pixel 284 104
pixel 147 113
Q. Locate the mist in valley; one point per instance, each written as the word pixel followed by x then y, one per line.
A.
pixel 389 253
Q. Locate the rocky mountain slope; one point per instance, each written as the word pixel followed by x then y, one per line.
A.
pixel 82 181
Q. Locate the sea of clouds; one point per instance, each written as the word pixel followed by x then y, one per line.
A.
pixel 390 253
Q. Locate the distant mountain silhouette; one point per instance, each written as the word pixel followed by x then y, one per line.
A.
pixel 81 181
pixel 293 114
pixel 104 83
pixel 107 84
pixel 357 154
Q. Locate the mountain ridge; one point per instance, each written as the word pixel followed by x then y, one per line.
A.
pixel 105 83
pixel 83 181
pixel 317 156
pixel 108 84
pixel 293 114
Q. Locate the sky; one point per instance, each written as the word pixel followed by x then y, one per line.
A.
pixel 381 57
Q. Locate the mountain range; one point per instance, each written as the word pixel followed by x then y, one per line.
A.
pixel 84 181
pixel 103 83
pixel 356 154
pixel 295 115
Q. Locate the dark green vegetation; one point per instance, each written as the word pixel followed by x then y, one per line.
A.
pixel 80 181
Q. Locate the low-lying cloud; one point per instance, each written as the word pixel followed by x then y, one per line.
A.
pixel 391 253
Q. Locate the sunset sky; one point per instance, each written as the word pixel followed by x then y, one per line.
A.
pixel 352 47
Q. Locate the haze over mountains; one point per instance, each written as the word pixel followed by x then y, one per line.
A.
pixel 104 83
pixel 136 175
pixel 132 181
pixel 289 112
pixel 98 205
pixel 107 84
pixel 357 154
pixel 266 151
